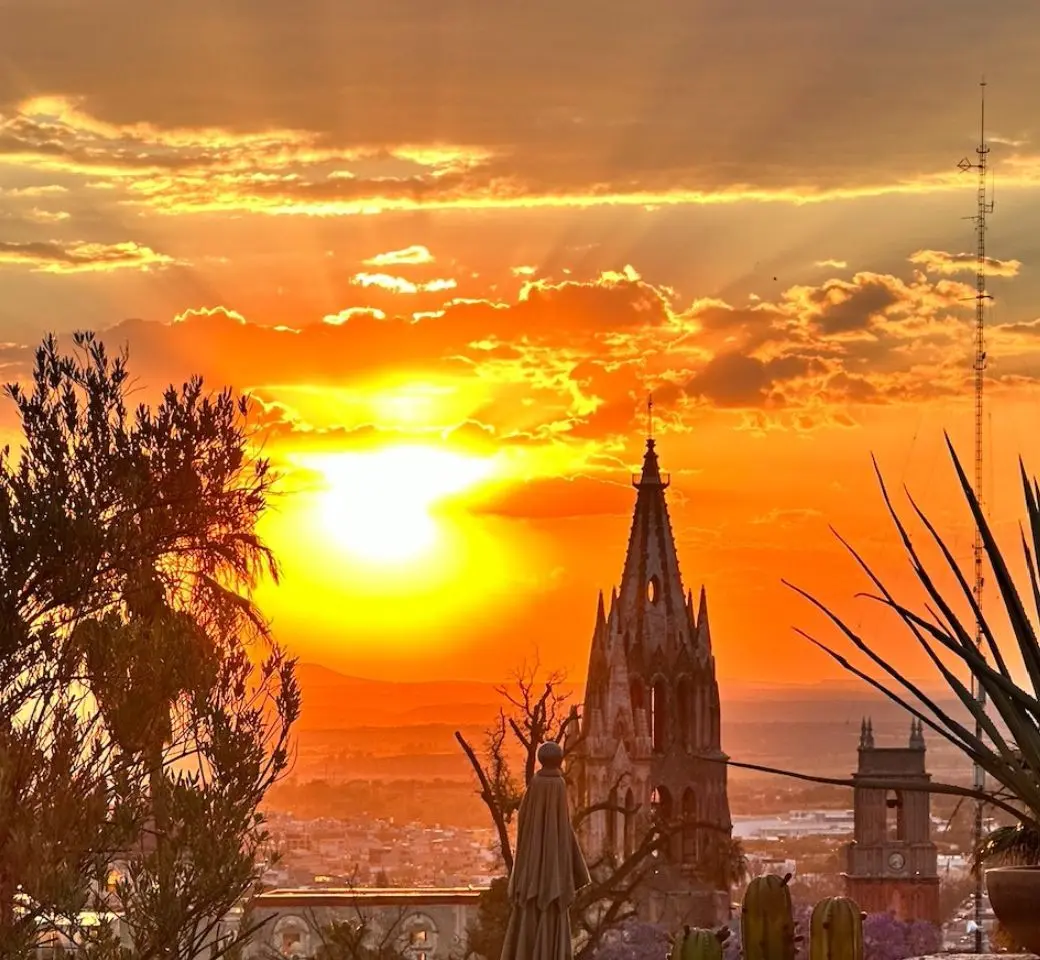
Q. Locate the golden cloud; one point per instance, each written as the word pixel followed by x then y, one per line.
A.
pixel 415 254
pixel 570 362
pixel 47 216
pixel 400 285
pixel 344 316
pixel 948 264
pixel 201 312
pixel 81 257
pixel 364 129
pixel 285 170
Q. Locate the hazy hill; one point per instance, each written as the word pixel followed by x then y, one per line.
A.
pixel 358 728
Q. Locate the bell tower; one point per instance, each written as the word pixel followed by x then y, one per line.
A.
pixel 650 733
pixel 892 862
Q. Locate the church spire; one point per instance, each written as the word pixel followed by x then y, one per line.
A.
pixel 703 630
pixel 652 599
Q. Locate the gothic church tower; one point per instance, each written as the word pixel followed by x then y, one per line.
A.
pixel 650 724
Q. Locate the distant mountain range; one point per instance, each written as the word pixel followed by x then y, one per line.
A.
pixel 335 701
pixel 367 728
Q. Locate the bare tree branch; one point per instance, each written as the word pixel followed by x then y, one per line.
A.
pixel 487 794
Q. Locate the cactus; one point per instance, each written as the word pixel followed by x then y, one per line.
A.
pixel 698 944
pixel 766 919
pixel 836 930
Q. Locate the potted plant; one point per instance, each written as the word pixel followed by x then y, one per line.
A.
pixel 1009 748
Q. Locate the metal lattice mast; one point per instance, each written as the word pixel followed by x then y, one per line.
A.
pixel 984 206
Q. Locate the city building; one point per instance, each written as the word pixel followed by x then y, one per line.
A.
pixel 892 861
pixel 649 743
pixel 423 924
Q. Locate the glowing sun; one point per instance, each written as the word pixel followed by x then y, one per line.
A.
pixel 379 505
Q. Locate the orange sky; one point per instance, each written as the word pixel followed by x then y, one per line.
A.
pixel 450 247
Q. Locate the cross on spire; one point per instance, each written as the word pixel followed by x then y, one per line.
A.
pixel 650 416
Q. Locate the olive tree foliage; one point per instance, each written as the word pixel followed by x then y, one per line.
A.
pixel 144 708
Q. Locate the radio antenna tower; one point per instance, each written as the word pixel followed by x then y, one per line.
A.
pixel 984 206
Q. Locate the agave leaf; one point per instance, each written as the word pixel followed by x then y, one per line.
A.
pixel 996 684
pixel 953 621
pixel 966 740
pixel 967 649
pixel 963 693
pixel 1011 758
pixel 964 745
pixel 952 617
pixel 913 622
pixel 1020 623
pixel 887 783
pixel 1030 565
pixel 1017 708
pixel 1032 495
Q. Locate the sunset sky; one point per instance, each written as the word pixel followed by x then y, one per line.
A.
pixel 450 246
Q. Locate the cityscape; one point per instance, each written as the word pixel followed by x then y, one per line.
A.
pixel 541 482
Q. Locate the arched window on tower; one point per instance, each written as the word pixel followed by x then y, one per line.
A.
pixel 612 817
pixel 689 827
pixel 896 815
pixel 630 823
pixel 684 710
pixel 661 804
pixel 661 809
pixel 659 715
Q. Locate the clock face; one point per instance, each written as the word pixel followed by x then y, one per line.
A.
pixel 896 860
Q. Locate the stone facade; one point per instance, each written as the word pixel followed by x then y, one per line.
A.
pixel 425 924
pixel 892 862
pixel 650 732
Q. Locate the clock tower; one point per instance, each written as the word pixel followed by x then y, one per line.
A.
pixel 892 864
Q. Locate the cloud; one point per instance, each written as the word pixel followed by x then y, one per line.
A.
pixel 415 254
pixel 400 285
pixel 204 312
pixel 567 364
pixel 344 316
pixel 948 264
pixel 736 380
pixel 319 134
pixel 82 257
pixel 47 216
pixel 831 264
pixel 47 190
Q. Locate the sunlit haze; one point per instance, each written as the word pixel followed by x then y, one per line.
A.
pixel 450 248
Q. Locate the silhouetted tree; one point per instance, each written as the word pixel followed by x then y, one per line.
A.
pixel 134 718
pixel 486 934
pixel 362 936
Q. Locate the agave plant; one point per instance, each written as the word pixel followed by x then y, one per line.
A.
pixel 1011 757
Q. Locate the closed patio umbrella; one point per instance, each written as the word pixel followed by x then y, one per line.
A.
pixel 548 869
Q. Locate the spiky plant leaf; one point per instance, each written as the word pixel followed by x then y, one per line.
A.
pixel 1008 750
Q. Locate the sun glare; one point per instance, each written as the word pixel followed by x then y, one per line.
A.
pixel 380 505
